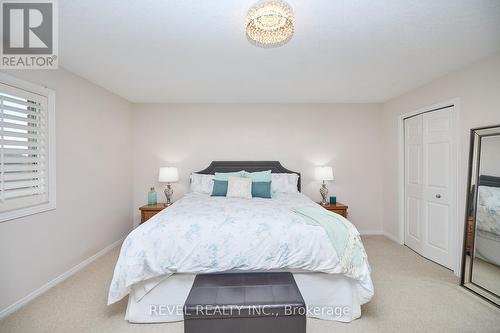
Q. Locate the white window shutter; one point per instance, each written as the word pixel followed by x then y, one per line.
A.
pixel 24 176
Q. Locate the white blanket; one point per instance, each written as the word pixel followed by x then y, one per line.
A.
pixel 488 209
pixel 203 234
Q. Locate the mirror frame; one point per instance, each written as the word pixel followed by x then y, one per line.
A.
pixel 473 167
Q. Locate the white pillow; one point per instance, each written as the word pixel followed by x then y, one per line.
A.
pixel 284 182
pixel 202 183
pixel 239 187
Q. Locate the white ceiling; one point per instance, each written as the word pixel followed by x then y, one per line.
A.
pixel 342 51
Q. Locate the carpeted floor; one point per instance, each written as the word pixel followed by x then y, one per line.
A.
pixel 486 274
pixel 412 294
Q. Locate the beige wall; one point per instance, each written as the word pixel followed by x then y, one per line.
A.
pixel 490 156
pixel 478 89
pixel 190 136
pixel 93 145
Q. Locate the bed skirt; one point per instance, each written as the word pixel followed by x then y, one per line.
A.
pixel 488 246
pixel 327 296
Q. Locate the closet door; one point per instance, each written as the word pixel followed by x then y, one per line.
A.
pixel 438 187
pixel 429 186
pixel 413 182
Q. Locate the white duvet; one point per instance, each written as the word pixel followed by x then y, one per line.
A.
pixel 488 209
pixel 203 234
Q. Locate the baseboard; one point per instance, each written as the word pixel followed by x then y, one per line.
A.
pixel 392 237
pixel 28 298
pixel 370 232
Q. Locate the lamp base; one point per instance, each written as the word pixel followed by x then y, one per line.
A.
pixel 168 194
pixel 324 194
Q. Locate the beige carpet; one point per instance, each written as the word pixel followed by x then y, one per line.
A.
pixel 486 275
pixel 412 294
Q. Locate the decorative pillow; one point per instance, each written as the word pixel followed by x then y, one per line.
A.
pixel 220 188
pixel 261 176
pixel 261 190
pixel 239 187
pixel 226 175
pixel 284 182
pixel 202 183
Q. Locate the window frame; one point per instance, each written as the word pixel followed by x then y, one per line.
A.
pixel 51 154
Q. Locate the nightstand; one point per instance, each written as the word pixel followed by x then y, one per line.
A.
pixel 337 208
pixel 470 234
pixel 148 211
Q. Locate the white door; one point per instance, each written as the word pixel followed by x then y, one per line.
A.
pixel 430 185
pixel 413 182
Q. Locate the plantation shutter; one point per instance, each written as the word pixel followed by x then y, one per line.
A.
pixel 23 149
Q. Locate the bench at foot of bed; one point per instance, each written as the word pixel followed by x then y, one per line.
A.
pixel 245 303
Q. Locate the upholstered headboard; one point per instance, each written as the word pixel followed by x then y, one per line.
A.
pixel 491 181
pixel 250 166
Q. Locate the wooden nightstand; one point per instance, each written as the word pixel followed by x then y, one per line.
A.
pixel 337 208
pixel 148 211
pixel 470 233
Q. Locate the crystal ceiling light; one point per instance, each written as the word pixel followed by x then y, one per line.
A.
pixel 270 24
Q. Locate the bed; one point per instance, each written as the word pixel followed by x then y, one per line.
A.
pixel 488 219
pixel 202 234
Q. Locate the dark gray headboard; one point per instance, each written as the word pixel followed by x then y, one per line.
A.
pixel 492 181
pixel 250 166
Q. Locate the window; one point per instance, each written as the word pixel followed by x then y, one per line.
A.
pixel 27 183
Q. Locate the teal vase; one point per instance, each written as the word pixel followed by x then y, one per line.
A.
pixel 152 197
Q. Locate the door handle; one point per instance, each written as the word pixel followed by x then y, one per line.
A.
pixel 438 195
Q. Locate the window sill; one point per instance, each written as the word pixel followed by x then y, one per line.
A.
pixel 23 212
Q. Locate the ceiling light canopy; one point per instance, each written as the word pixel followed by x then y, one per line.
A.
pixel 270 23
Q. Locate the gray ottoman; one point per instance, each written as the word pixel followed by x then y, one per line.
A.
pixel 245 303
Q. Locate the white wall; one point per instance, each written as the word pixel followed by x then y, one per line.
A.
pixel 300 136
pixel 94 158
pixel 490 156
pixel 478 89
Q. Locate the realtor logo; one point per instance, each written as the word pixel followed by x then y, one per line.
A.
pixel 29 34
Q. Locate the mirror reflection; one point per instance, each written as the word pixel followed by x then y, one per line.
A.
pixel 482 237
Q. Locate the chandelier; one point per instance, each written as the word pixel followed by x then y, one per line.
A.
pixel 270 24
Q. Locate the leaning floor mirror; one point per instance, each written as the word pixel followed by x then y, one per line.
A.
pixel 481 256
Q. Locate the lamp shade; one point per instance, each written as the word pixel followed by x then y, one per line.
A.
pixel 324 173
pixel 168 175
